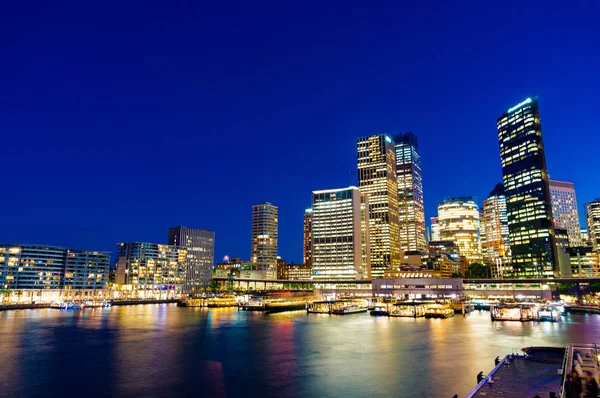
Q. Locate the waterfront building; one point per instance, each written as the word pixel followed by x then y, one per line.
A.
pixel 411 210
pixel 561 237
pixel 49 267
pixel 142 265
pixel 496 245
pixel 377 179
pixel 265 236
pixel 583 262
pixel 308 237
pixel 435 230
pixel 564 210
pixel 294 272
pixel 531 230
pixel 340 235
pixel 200 257
pixel 592 215
pixel 459 222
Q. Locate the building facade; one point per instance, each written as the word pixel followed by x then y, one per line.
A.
pixel 200 257
pixel 592 216
pixel 48 267
pixel 531 229
pixel 411 208
pixel 377 179
pixel 564 210
pixel 435 230
pixel 459 222
pixel 265 221
pixel 294 272
pixel 496 245
pixel 142 265
pixel 340 235
pixel 307 252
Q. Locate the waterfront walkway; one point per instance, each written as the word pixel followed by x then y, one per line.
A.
pixel 522 377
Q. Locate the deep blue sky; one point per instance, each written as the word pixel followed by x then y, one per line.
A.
pixel 120 119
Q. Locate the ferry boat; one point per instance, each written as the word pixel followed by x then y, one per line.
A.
pixel 221 302
pixel 380 310
pixel 462 308
pixel 285 306
pixel 319 307
pixel 547 313
pixel 409 310
pixel 439 311
pixel 191 302
pixel 349 309
pixel 95 304
pixel 513 312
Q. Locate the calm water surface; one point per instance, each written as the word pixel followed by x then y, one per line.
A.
pixel 163 350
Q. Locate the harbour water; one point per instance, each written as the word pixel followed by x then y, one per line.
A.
pixel 163 350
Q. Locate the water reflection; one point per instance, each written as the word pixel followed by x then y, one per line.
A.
pixel 163 350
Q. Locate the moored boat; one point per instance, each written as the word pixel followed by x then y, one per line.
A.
pixel 380 310
pixel 439 311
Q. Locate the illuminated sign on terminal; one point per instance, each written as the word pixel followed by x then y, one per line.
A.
pixel 527 101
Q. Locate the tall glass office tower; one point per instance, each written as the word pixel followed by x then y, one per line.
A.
pixel 529 211
pixel 377 179
pixel 411 210
pixel 200 259
pixel 564 210
pixel 265 236
pixel 496 245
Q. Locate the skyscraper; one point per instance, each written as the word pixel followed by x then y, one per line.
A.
pixel 592 215
pixel 200 259
pixel 340 235
pixel 564 210
pixel 459 222
pixel 308 237
pixel 411 210
pixel 531 230
pixel 496 245
pixel 264 236
pixel 377 179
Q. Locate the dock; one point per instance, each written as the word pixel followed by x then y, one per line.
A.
pixel 539 371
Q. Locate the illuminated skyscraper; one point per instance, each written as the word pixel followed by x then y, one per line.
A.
pixel 435 230
pixel 264 236
pixel 411 210
pixel 340 235
pixel 308 237
pixel 592 215
pixel 377 179
pixel 532 241
pixel 459 222
pixel 496 245
pixel 200 259
pixel 564 210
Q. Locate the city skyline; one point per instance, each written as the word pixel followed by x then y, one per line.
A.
pixel 117 117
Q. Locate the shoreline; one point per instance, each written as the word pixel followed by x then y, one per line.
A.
pixel 14 307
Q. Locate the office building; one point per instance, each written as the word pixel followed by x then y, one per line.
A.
pixel 377 179
pixel 265 236
pixel 583 262
pixel 585 237
pixel 435 230
pixel 308 237
pixel 531 230
pixel 592 216
pixel 564 210
pixel 459 222
pixel 142 265
pixel 411 210
pixel 200 257
pixel 49 267
pixel 294 272
pixel 496 245
pixel 340 235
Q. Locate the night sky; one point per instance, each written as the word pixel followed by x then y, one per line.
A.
pixel 121 119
